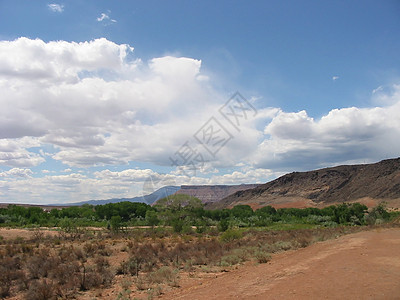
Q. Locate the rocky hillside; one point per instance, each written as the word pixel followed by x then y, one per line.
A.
pixel 369 184
pixel 213 193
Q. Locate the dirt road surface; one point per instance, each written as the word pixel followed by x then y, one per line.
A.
pixel 365 265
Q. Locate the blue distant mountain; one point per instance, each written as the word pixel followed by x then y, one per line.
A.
pixel 148 199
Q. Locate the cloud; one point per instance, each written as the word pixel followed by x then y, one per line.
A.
pixel 57 8
pixel 94 104
pixel 297 141
pixel 60 61
pixel 17 172
pixel 378 89
pixel 105 17
pixel 19 185
pixel 15 153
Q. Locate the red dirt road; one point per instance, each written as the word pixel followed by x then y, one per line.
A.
pixel 365 265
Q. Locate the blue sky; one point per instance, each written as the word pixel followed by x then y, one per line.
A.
pixel 99 96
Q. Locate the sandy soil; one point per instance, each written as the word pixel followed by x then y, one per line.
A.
pixel 13 233
pixel 365 265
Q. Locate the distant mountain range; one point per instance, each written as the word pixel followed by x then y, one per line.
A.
pixel 149 199
pixel 367 183
pixel 206 193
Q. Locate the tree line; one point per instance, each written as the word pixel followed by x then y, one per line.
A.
pixel 182 212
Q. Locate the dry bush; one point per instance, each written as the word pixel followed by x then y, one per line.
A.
pixel 141 284
pixel 230 260
pixel 90 278
pixel 41 290
pixel 262 256
pixel 164 275
pixel 27 249
pixel 95 276
pixel 92 248
pixel 5 284
pixel 180 253
pixel 41 264
pixel 103 250
pixel 10 271
pixel 12 249
pixel 38 234
pixel 154 292
pixel 101 262
pixel 145 257
pixel 65 273
pixel 80 254
pixel 66 254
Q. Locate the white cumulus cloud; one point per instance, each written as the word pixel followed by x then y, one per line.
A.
pixel 94 103
pixel 297 141
pixel 17 172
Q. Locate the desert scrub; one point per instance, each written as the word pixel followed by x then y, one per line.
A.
pixel 41 289
pixel 154 292
pixel 230 260
pixel 164 275
pixel 231 235
pixel 141 284
pixel 262 256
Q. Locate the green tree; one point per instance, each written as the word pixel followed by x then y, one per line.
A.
pixel 223 225
pixel 242 211
pixel 178 202
pixel 177 225
pixel 152 218
pixel 116 223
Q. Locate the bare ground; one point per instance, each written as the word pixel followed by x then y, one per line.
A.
pixel 364 265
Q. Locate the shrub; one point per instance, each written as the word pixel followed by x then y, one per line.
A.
pixel 262 256
pixel 164 275
pixel 231 235
pixel 141 284
pixel 223 225
pixel 116 223
pixel 41 290
pixel 281 245
pixel 230 260
pixel 177 225
pixel 41 264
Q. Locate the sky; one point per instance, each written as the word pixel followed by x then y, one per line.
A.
pixel 111 99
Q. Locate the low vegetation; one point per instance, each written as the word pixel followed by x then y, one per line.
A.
pixel 147 250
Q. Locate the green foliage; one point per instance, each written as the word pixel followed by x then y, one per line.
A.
pixel 378 214
pixel 152 218
pixel 242 211
pixel 183 211
pixel 116 223
pixel 67 225
pixel 126 210
pixel 231 235
pixel 178 202
pixel 223 225
pixel 266 211
pixel 177 225
pixel 262 256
